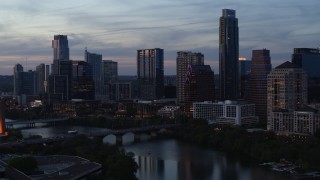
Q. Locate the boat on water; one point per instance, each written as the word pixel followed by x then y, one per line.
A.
pixel 72 132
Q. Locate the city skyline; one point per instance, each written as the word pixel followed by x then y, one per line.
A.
pixel 118 29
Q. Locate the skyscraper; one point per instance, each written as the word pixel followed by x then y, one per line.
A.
pixel 228 55
pixel 199 86
pixel 42 73
pixel 150 73
pixel 82 81
pixel 110 76
pixel 244 70
pixel 309 60
pixel 60 47
pixel 60 80
pixel 95 61
pixel 257 85
pixel 183 60
pixel 287 89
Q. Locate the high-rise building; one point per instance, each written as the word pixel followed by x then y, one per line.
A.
pixel 309 60
pixel 183 60
pixel 199 86
pixel 24 82
pixel 287 89
pixel 42 72
pixel 60 80
pixel 110 77
pixel 95 61
pixel 60 48
pixel 228 55
pixel 244 69
pixel 257 85
pixel 2 118
pixel 150 73
pixel 82 81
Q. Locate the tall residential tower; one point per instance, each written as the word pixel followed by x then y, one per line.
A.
pixel 150 73
pixel 183 60
pixel 257 85
pixel 228 55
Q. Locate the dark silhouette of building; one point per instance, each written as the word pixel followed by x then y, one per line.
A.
pixel 309 60
pixel 257 85
pixel 244 69
pixel 24 82
pixel 199 86
pixel 183 60
pixel 95 61
pixel 110 77
pixel 228 55
pixel 150 73
pixel 42 73
pixel 82 83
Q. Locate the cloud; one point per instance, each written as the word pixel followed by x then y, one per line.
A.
pixel 117 29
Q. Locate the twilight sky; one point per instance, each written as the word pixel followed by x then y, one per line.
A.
pixel 117 28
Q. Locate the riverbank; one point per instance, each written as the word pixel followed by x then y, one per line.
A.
pixel 257 147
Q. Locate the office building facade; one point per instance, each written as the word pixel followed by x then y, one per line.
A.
pixel 238 113
pixel 309 60
pixel 95 61
pixel 199 86
pixel 228 55
pixel 60 80
pixel 287 90
pixel 60 48
pixel 184 59
pixel 150 73
pixel 257 84
pixel 82 81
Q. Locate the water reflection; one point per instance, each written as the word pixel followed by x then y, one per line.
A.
pixel 171 159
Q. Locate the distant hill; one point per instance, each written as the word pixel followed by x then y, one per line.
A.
pixel 6 83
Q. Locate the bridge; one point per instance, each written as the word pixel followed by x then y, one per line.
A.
pixel 136 131
pixel 32 122
pixel 118 133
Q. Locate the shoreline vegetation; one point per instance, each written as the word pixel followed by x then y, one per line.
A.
pixel 256 147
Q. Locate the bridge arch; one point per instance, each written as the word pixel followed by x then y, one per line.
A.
pixel 110 139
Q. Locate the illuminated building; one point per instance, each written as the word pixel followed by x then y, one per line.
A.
pixel 287 90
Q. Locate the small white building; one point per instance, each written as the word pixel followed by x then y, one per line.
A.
pixel 226 112
pixel 168 111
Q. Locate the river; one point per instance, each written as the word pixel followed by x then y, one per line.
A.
pixel 174 160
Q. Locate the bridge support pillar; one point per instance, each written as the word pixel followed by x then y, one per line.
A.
pixel 137 137
pixel 119 139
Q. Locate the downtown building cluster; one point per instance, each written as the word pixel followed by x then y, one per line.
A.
pixel 246 92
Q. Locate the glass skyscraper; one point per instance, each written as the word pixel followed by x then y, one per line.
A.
pixel 228 55
pixel 150 73
pixel 60 47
